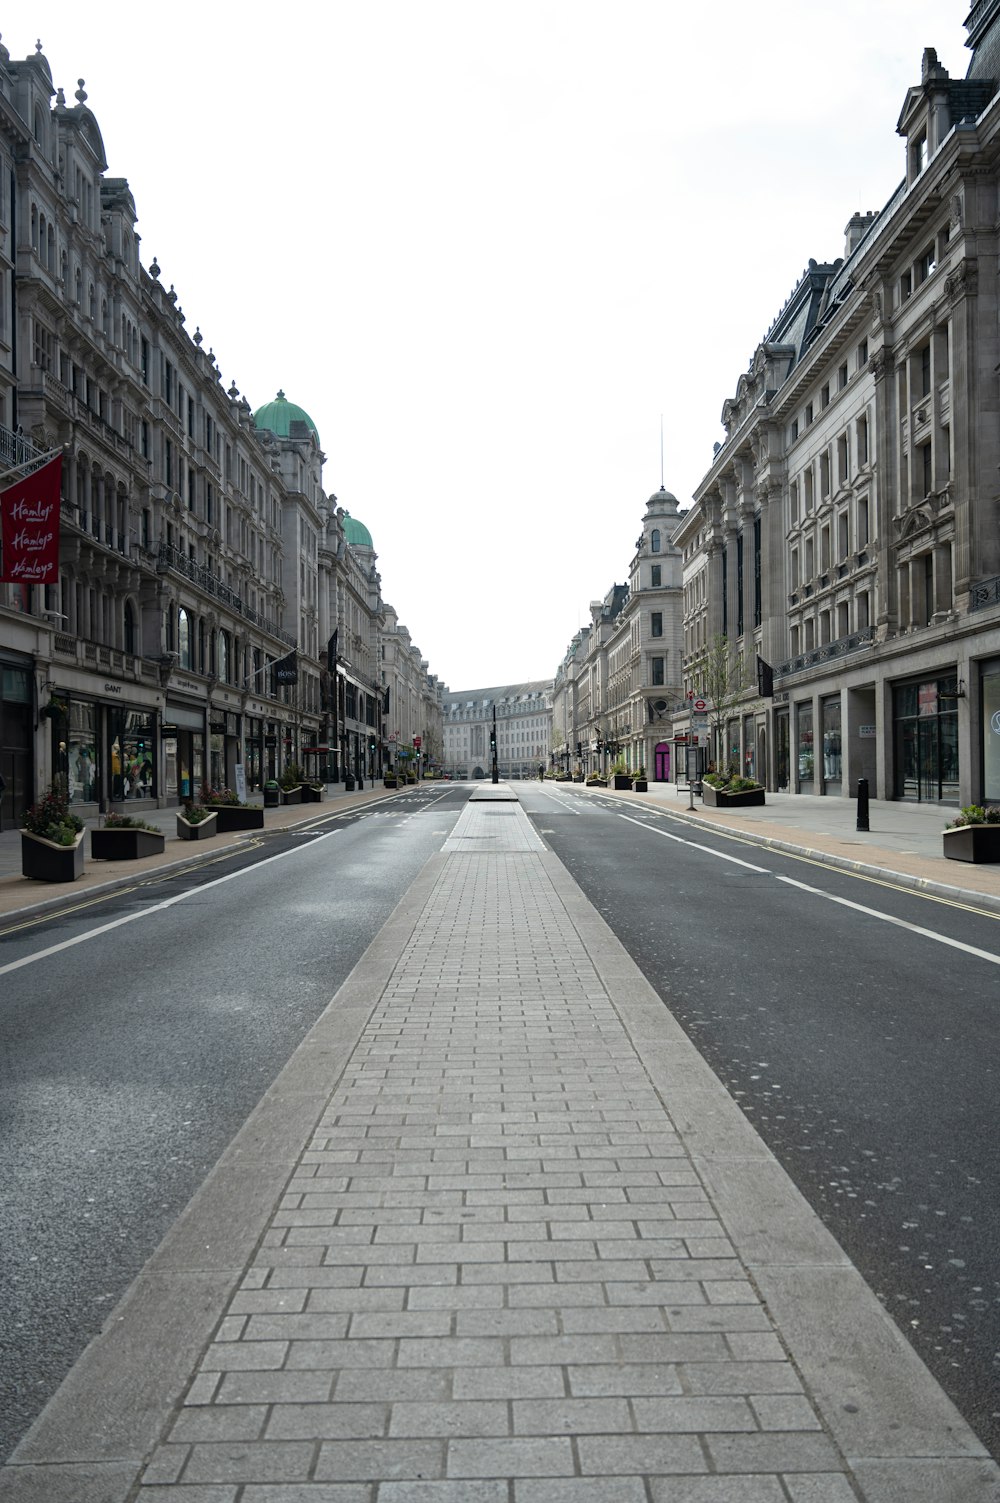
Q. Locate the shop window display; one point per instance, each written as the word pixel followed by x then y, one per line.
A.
pixel 131 754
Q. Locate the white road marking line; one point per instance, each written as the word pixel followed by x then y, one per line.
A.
pixel 129 918
pixel 888 918
pixel 722 855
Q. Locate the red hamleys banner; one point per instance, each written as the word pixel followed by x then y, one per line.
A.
pixel 29 527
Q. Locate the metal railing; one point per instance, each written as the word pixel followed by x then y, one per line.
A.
pixel 169 557
pixel 829 650
pixel 984 594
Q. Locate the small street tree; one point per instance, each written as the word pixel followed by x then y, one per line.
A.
pixel 722 676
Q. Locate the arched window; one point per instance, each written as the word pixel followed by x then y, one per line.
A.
pixel 50 249
pixel 34 228
pixel 39 129
pixel 224 656
pixel 92 303
pixel 654 540
pixel 184 638
pixel 78 279
pixel 129 628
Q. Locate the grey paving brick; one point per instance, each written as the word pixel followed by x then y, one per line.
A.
pixel 508 1383
pixel 568 1296
pixel 219 1422
pixel 458 1417
pixel 243 1356
pixel 330 1355
pixel 337 1421
pixel 581 1490
pixel 256 1461
pixel 456 1297
pixel 723 1490
pixel 773 1452
pixel 166 1464
pixel 636 1455
pixel 466 1491
pixel 267 1301
pixel 625 1378
pixel 450 1351
pixel 207 1494
pixel 525 1456
pixel 699 1415
pixel 389 1385
pixel 387 1460
pixel 740 1377
pixel 572 1416
pixel 824 1487
pixel 507 1323
pixel 275 1388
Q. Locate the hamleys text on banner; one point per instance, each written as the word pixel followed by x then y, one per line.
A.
pixel 29 527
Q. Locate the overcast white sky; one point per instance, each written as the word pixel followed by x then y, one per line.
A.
pixel 486 245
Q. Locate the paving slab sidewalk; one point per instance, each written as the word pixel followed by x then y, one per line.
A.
pixel 498 1233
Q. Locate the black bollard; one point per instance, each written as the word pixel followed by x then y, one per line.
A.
pixel 862 804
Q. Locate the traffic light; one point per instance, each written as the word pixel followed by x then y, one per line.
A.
pixel 493 740
pixel 371 745
pixel 579 748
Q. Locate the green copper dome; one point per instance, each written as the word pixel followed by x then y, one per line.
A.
pixel 356 532
pixel 279 416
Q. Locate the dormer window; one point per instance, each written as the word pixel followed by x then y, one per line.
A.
pixel 918 154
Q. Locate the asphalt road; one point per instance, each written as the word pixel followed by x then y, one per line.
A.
pixel 129 1061
pixel 865 1053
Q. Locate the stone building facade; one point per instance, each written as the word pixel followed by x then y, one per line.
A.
pixel 847 532
pixel 198 549
pixel 522 716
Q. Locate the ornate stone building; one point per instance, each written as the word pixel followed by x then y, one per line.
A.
pixel 198 549
pixel 848 530
pixel 522 714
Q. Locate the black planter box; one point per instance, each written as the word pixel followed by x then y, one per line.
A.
pixel 291 795
pixel 640 785
pixel 231 817
pixel 622 781
pixel 125 845
pixel 204 829
pixel 980 843
pixel 47 862
pixel 312 795
pixel 390 780
pixel 717 798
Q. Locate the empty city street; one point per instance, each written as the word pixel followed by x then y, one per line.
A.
pixel 850 1020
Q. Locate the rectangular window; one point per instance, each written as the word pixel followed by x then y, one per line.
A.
pixel 145 361
pixel 656 624
pixel 657 671
pixel 905 286
pixel 144 446
pixel 842 377
pixel 168 461
pixel 862 522
pixel 842 459
pixel 862 435
pixel 795 429
pixel 924 371
pixel 926 264
pixel 862 354
pixel 656 572
pixel 168 382
pixel 926 469
pixel 824 396
pixel 843 536
pixel 809 414
pixel 824 474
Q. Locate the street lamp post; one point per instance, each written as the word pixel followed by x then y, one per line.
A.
pixel 493 748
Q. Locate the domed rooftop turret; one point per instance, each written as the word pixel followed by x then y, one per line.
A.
pixel 356 532
pixel 285 419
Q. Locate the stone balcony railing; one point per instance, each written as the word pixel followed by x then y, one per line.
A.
pixel 843 647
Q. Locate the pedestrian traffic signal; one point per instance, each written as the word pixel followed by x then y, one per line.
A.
pixel 371 744
pixel 579 748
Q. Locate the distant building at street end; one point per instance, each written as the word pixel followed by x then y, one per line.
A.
pixel 523 729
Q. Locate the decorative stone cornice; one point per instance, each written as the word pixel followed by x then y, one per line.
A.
pixel 964 281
